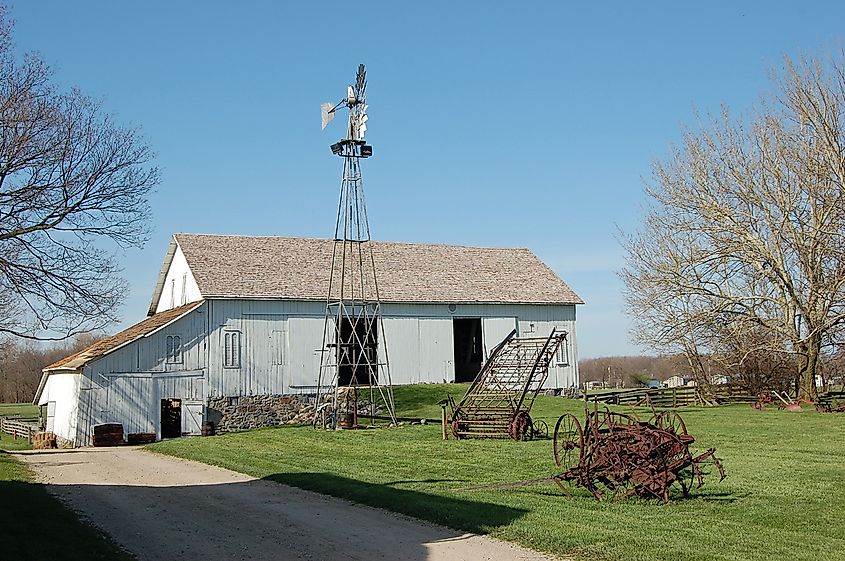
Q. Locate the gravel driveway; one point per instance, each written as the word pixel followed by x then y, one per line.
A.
pixel 160 507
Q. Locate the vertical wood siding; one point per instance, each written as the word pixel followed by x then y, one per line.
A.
pixel 279 353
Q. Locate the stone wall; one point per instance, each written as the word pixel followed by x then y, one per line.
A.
pixel 231 414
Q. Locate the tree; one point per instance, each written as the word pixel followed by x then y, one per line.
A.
pixel 21 362
pixel 745 231
pixel 73 190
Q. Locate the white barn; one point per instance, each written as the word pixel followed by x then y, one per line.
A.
pixel 243 315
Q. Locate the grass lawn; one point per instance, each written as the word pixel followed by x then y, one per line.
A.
pixel 36 526
pixel 784 496
pixel 26 410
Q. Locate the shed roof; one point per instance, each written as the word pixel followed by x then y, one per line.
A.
pixel 298 269
pixel 109 344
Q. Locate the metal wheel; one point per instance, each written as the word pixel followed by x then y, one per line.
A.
pixel 539 429
pixel 520 428
pixel 455 429
pixel 568 441
pixel 671 421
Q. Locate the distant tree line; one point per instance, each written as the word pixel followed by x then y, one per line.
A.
pixel 756 373
pixel 21 363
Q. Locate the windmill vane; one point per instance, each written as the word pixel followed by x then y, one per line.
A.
pixel 353 146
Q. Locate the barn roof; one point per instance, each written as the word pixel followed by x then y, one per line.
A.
pixel 109 344
pixel 298 269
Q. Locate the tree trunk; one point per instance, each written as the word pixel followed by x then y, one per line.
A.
pixel 698 372
pixel 808 365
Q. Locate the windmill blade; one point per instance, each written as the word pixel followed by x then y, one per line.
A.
pixel 350 96
pixel 361 81
pixel 326 113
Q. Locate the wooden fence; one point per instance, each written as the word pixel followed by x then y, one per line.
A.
pixel 675 397
pixel 18 427
pixel 733 393
pixel 659 397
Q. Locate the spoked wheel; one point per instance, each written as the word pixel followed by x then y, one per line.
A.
pixel 671 421
pixel 520 428
pixel 456 427
pixel 568 441
pixel 539 429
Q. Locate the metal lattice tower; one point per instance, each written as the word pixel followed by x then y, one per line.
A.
pixel 354 353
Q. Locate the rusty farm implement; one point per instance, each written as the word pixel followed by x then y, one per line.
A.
pixel 498 402
pixel 617 454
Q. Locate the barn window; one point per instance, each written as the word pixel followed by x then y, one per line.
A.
pixel 231 349
pixel 174 349
pixel 173 293
pixel 184 288
pixel 562 356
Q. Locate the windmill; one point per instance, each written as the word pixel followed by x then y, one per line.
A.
pixel 353 356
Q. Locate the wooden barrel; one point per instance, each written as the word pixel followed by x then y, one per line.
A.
pixel 346 420
pixel 208 428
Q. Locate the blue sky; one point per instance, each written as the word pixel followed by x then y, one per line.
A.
pixel 529 124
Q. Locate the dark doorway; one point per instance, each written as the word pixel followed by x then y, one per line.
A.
pixel 468 349
pixel 171 418
pixel 358 357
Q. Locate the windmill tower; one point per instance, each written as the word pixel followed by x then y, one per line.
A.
pixel 353 360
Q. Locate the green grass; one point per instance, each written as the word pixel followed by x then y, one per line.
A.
pixel 36 526
pixel 784 496
pixel 9 443
pixel 26 410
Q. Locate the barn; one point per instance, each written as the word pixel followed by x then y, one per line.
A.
pixel 235 316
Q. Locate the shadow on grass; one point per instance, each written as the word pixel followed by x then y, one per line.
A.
pixel 473 516
pixel 247 520
pixel 35 526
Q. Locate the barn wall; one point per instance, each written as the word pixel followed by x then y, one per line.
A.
pixel 127 385
pixel 64 390
pixel 279 354
pixel 280 341
pixel 180 287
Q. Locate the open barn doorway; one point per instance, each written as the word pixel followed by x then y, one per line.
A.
pixel 468 348
pixel 171 418
pixel 358 357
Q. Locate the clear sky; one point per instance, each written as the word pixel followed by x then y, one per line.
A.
pixel 527 124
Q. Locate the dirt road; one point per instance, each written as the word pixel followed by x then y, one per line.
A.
pixel 161 508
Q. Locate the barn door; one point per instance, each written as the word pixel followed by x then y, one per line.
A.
pixel 51 416
pixel 171 418
pixel 192 418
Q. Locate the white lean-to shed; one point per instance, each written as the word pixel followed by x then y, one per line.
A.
pixel 244 315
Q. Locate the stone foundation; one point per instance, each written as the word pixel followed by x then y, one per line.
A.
pixel 230 414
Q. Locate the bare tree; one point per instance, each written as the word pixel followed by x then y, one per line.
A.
pixel 73 190
pixel 21 362
pixel 746 230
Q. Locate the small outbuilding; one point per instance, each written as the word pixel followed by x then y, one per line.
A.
pixel 236 316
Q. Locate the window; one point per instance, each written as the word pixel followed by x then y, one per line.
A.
pixel 173 293
pixel 184 287
pixel 231 349
pixel 562 356
pixel 174 349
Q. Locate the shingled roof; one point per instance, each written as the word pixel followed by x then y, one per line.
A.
pixel 109 344
pixel 298 269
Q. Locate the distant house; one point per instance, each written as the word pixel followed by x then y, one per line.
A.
pixel 675 381
pixel 239 316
